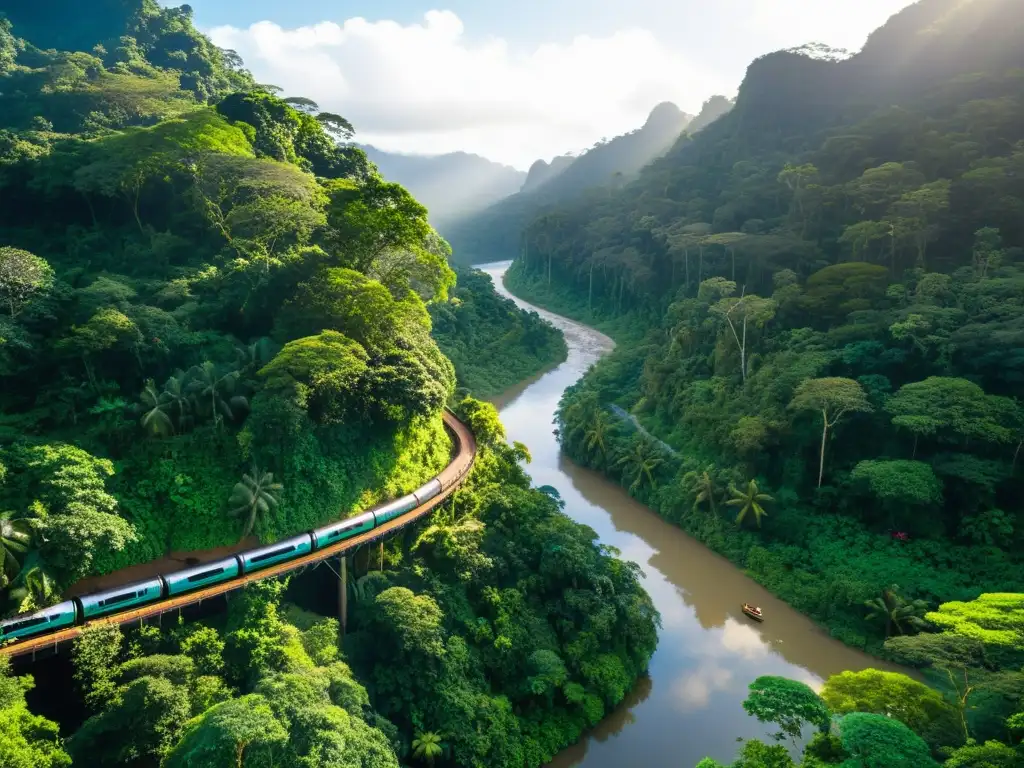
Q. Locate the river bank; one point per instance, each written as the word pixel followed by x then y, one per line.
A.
pixel 708 651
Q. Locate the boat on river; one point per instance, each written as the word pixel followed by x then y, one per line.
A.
pixel 753 612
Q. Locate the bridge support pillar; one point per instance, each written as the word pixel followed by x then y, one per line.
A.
pixel 382 555
pixel 343 594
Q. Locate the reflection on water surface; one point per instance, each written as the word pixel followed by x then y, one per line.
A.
pixel 689 705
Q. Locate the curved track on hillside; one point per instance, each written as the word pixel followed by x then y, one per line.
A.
pixel 451 477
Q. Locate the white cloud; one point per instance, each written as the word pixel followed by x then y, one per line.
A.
pixel 743 640
pixel 840 25
pixel 692 691
pixel 428 88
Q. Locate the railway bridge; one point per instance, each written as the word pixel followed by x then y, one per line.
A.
pixel 451 477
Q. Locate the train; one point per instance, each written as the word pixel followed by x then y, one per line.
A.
pixel 79 610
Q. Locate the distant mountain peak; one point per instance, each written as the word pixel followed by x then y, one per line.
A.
pixel 665 113
pixel 542 171
pixel 450 185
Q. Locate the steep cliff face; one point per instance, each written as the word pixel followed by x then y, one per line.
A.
pixel 926 44
pixel 934 40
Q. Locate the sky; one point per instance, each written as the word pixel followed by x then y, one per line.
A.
pixel 517 81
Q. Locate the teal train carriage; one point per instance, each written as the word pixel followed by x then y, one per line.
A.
pixel 39 623
pixel 427 491
pixel 204 575
pixel 82 609
pixel 121 599
pixel 393 509
pixel 278 552
pixel 346 529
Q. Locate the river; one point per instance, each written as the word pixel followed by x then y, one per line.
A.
pixel 690 704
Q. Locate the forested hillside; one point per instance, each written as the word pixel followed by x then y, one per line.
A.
pixel 493 344
pixel 824 297
pixel 494 233
pixel 471 646
pixel 191 292
pixel 215 322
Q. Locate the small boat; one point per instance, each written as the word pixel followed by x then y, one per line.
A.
pixel 753 612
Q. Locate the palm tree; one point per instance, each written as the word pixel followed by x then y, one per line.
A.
pixel 176 398
pixel 257 354
pixel 427 746
pixel 154 418
pixel 595 437
pixel 254 497
pixel 213 392
pixel 706 490
pixel 640 462
pixel 749 500
pixel 897 611
pixel 34 581
pixel 15 537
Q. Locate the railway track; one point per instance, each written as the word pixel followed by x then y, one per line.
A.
pixel 451 478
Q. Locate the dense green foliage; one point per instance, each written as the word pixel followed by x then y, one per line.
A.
pixel 259 692
pixel 491 342
pixel 26 740
pixel 875 719
pixel 507 629
pixel 493 634
pixel 213 316
pixel 822 293
pixel 214 322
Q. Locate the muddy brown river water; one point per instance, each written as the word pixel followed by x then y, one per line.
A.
pixel 690 704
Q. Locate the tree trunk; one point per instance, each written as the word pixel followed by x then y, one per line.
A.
pixel 92 211
pixel 743 351
pixel 1016 455
pixel 135 208
pixel 89 373
pixel 824 435
pixel 686 261
pixel 590 291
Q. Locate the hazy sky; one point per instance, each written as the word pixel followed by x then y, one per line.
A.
pixel 515 81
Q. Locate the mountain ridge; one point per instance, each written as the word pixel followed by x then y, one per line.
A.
pixel 449 184
pixel 494 233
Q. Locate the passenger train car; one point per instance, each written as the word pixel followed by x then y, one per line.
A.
pixel 81 609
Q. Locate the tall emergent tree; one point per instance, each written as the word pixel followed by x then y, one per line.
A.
pixel 742 313
pixel 834 398
pixel 21 275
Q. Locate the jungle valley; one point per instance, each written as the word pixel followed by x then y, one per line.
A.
pixel 222 327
